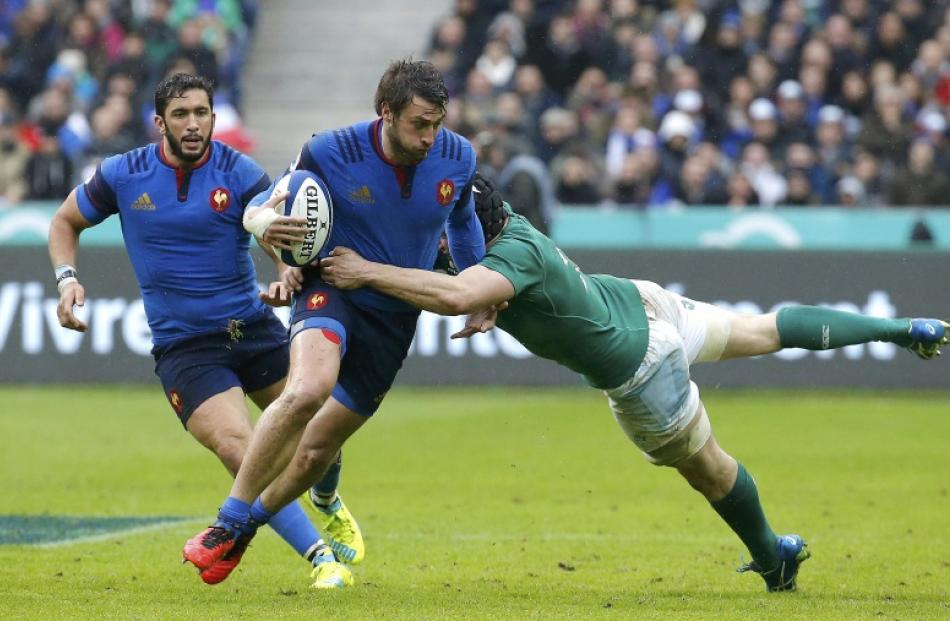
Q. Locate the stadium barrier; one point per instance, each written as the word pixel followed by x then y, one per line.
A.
pixel 34 349
pixel 790 228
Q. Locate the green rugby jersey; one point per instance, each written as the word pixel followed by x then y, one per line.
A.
pixel 592 324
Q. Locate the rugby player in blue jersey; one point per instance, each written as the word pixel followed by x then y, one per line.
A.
pixel 396 182
pixel 181 202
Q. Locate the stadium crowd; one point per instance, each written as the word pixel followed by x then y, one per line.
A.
pixel 76 79
pixel 633 103
pixel 653 103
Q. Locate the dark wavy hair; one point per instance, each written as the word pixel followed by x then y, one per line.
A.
pixel 407 78
pixel 176 85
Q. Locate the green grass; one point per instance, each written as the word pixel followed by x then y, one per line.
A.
pixel 493 504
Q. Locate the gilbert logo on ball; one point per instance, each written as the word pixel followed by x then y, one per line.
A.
pixel 309 198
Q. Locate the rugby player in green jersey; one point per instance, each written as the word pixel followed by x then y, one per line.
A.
pixel 635 341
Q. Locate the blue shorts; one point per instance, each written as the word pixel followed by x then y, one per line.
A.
pixel 253 356
pixel 375 342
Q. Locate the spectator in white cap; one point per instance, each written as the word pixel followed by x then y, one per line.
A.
pixel 792 110
pixel 765 127
pixel 676 133
pixel 832 149
pixel 690 101
pixel 851 192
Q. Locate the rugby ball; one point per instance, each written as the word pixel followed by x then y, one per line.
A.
pixel 309 198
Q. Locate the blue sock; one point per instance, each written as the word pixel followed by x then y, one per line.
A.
pixel 331 480
pixel 258 514
pixel 234 513
pixel 293 526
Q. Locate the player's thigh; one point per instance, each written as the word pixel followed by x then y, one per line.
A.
pixel 314 367
pixel 263 359
pixel 222 424
pixel 703 327
pixel 195 370
pixel 659 407
pixel 751 335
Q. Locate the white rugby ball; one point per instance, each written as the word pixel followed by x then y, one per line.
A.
pixel 309 198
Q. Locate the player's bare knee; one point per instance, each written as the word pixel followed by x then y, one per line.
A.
pixel 316 457
pixel 301 400
pixel 230 449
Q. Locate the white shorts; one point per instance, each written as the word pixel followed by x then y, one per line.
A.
pixel 659 408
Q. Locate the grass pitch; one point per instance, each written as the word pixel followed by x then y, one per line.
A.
pixel 494 504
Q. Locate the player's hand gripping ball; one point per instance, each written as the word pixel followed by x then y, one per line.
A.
pixel 309 198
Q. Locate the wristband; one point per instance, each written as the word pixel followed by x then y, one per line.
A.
pixel 258 223
pixel 65 279
pixel 59 270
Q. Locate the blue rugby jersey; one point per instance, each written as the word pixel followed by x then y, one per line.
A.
pixel 395 214
pixel 184 235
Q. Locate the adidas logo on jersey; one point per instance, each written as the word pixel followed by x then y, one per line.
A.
pixel 362 195
pixel 143 203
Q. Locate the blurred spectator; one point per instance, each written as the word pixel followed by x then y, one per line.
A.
pixel 700 184
pixel 800 190
pixel 562 59
pixel 160 38
pixel 32 49
pixel 558 128
pixel 740 192
pixel 867 170
pixel 792 111
pixel 885 132
pixel 192 47
pixel 850 193
pixel 770 186
pixel 640 182
pixel 765 125
pixel 919 183
pixel 832 150
pixel 576 179
pixel 676 133
pixel 497 64
pixel 723 59
pixel 523 178
pixel 13 159
pixel 890 42
pixel 49 172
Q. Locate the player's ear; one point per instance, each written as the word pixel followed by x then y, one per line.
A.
pixel 159 124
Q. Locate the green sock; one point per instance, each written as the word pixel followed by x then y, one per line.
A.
pixel 814 327
pixel 742 511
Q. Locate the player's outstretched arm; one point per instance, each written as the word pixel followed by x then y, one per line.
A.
pixel 65 228
pixel 474 289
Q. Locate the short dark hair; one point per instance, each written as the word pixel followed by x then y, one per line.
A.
pixel 407 78
pixel 489 207
pixel 176 85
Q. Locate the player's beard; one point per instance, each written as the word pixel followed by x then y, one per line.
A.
pixel 402 153
pixel 175 145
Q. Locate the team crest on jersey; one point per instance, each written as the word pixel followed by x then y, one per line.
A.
pixel 220 199
pixel 444 192
pixel 174 397
pixel 317 300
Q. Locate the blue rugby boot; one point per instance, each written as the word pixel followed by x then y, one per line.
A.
pixel 792 552
pixel 927 335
